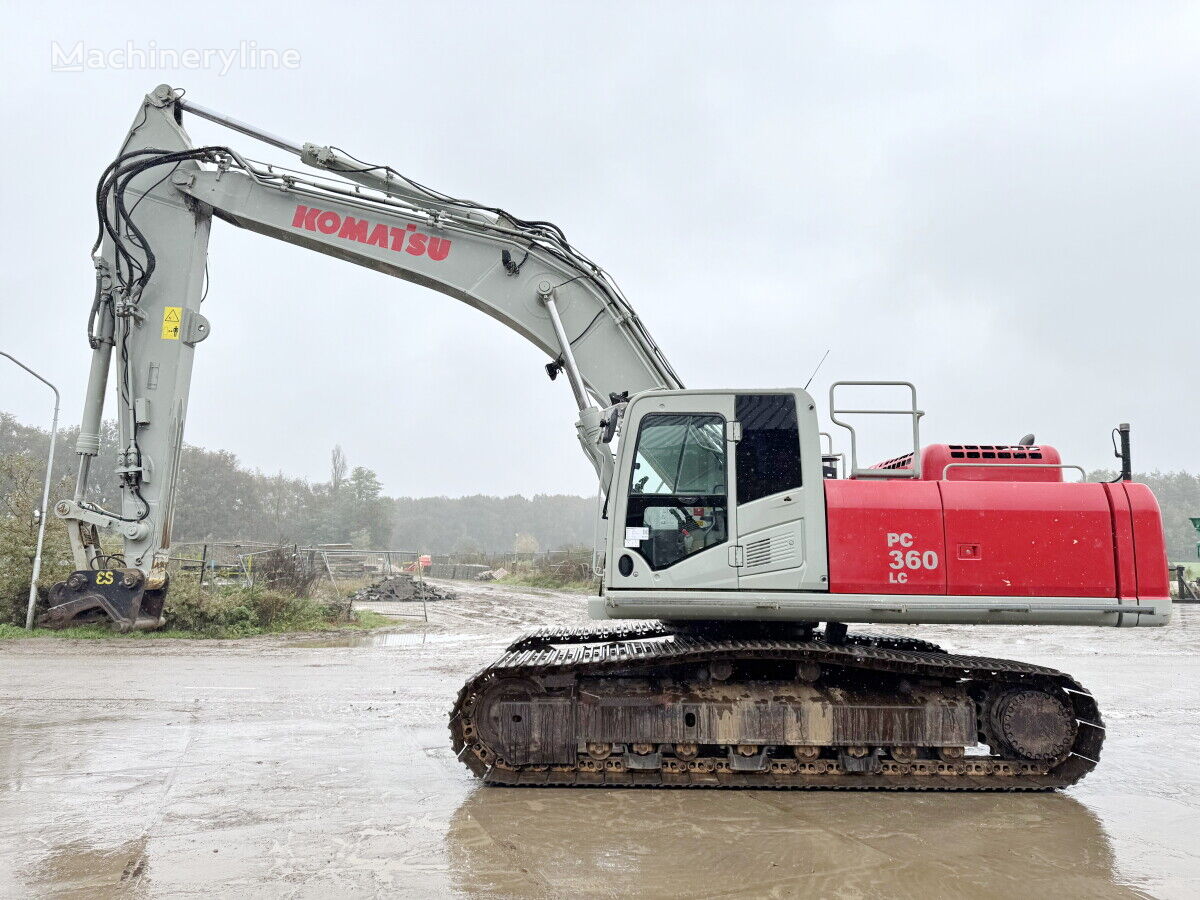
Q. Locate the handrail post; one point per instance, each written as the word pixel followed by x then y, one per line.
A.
pixel 37 555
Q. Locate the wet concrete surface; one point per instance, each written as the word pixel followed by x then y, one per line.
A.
pixel 311 766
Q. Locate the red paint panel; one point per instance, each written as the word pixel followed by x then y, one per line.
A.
pixel 1149 544
pixel 1122 541
pixel 885 537
pixel 1031 539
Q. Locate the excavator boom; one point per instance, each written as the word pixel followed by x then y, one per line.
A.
pixel 156 204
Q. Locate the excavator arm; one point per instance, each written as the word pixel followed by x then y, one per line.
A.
pixel 156 203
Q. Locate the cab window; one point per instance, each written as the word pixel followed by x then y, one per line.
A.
pixel 677 502
pixel 768 455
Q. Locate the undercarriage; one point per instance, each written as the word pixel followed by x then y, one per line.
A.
pixel 655 705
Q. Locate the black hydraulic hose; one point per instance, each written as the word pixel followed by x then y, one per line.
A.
pixel 93 340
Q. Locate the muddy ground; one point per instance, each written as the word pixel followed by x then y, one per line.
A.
pixel 315 767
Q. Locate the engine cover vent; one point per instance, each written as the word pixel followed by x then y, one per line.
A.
pixel 986 462
pixel 770 550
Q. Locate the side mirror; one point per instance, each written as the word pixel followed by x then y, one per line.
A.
pixel 611 421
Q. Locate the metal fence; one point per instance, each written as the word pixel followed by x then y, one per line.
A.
pixel 1184 590
pixel 235 561
pixel 568 565
pixel 292 567
pixel 252 563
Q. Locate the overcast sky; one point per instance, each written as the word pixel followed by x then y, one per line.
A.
pixel 995 201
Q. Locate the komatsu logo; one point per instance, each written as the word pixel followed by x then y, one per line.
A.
pixel 407 240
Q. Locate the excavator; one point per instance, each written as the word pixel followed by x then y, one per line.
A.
pixel 738 547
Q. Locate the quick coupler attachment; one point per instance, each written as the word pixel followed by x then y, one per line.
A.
pixel 91 595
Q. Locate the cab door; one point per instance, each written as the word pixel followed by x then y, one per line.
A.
pixel 780 508
pixel 674 518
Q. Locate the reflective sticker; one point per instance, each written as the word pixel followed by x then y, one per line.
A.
pixel 172 316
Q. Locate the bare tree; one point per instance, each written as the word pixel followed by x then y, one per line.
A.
pixel 337 469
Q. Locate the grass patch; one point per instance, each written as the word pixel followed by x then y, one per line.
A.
pixel 368 618
pixel 365 620
pixel 80 632
pixel 224 614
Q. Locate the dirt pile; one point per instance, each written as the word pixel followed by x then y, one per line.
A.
pixel 401 587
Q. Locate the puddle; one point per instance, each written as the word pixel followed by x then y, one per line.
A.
pixel 519 842
pixel 385 639
pixel 78 870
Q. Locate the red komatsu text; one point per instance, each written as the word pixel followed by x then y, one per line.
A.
pixel 363 231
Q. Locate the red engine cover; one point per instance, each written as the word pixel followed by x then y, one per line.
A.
pixel 996 462
pixel 1003 462
pixel 873 525
pixel 991 538
pixel 1014 538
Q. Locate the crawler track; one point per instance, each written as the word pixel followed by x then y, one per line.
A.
pixel 550 681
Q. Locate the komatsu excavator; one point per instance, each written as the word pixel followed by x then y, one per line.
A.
pixel 733 533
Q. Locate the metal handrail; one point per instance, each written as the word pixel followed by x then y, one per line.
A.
pixel 911 471
pixel 950 466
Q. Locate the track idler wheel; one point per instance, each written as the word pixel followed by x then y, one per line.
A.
pixel 1032 724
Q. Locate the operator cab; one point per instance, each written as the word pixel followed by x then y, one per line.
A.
pixel 718 490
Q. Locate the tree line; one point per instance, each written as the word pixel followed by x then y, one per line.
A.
pixel 220 499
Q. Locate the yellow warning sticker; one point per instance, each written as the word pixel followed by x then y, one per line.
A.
pixel 172 316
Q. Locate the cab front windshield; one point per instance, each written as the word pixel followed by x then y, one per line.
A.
pixel 677 496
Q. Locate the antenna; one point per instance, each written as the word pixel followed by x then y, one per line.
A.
pixel 816 370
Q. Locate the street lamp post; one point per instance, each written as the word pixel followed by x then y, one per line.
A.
pixel 37 557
